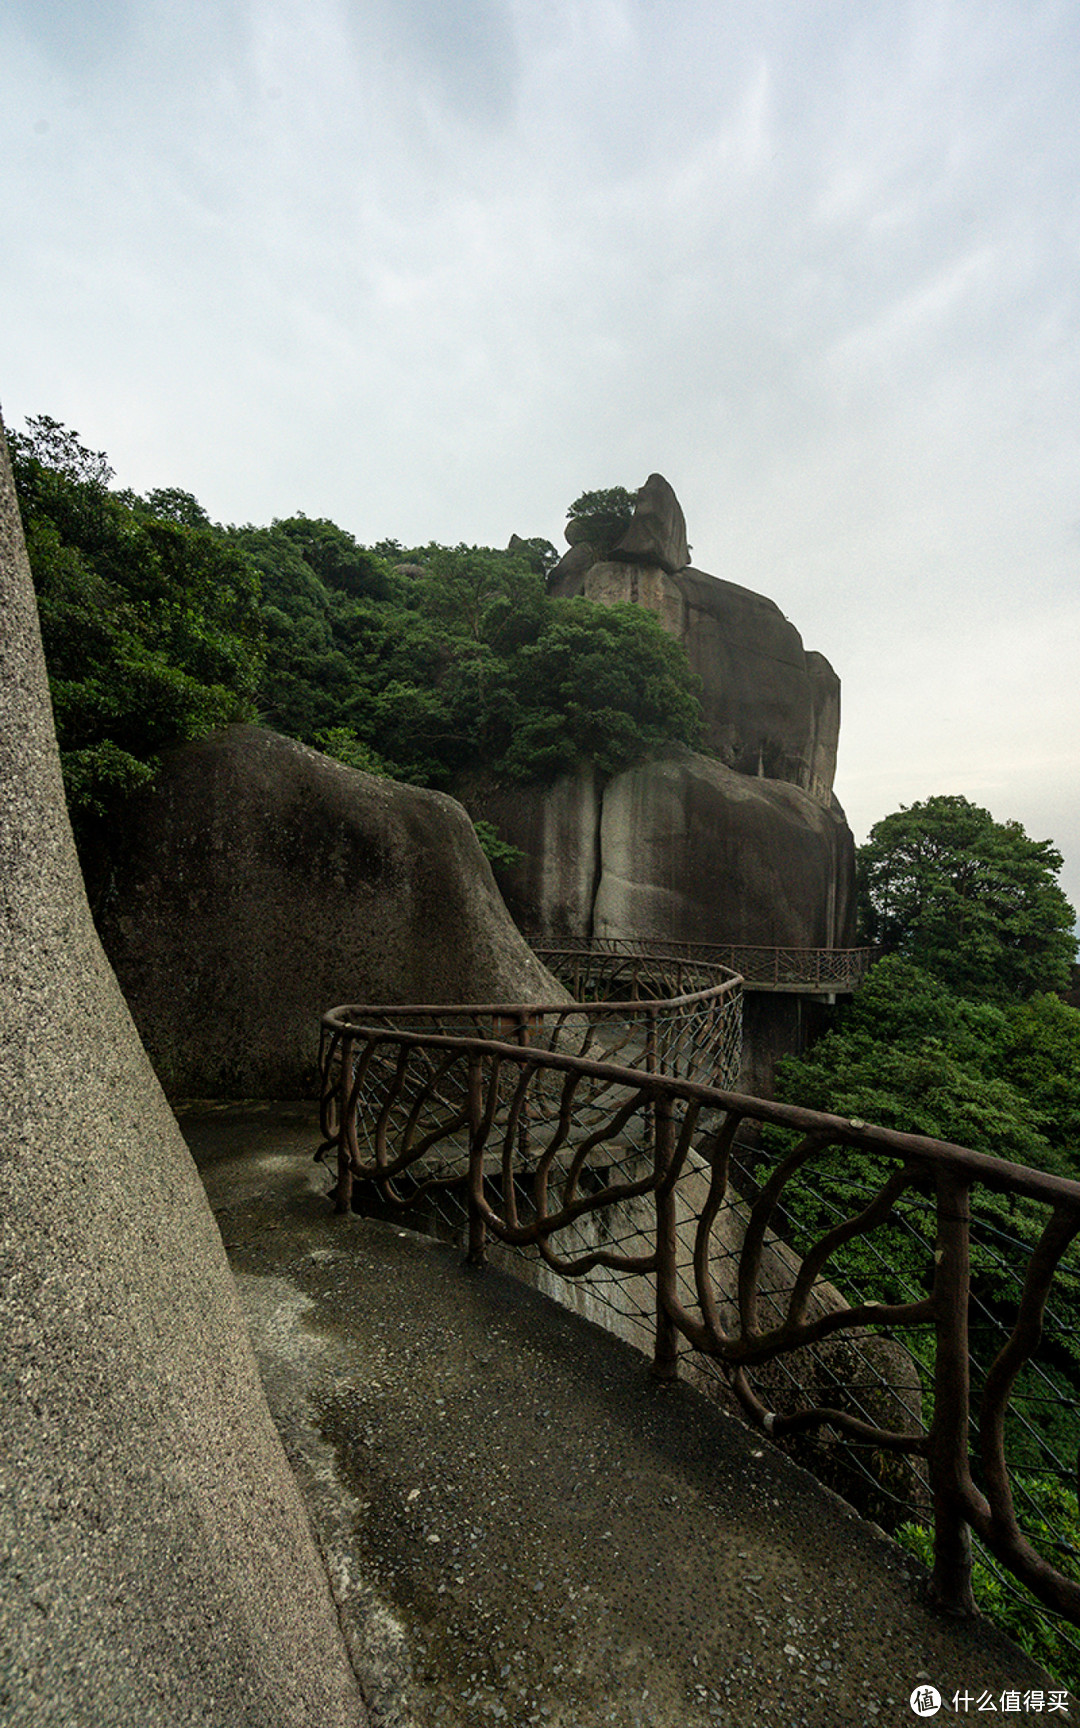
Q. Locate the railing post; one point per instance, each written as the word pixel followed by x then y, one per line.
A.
pixel 524 1032
pixel 949 1474
pixel 477 1252
pixel 665 1363
pixel 343 1191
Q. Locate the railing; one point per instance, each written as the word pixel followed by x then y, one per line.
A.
pixel 595 1138
pixel 425 1112
pixel 817 971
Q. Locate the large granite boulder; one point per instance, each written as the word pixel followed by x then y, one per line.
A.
pixel 692 850
pixel 657 531
pixel 260 883
pixel 770 708
pixel 156 1564
pixel 678 849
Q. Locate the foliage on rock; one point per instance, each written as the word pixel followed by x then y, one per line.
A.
pixel 149 618
pixel 602 517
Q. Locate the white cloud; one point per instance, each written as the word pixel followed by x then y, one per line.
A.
pixel 434 271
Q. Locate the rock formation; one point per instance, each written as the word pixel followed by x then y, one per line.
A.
pixel 260 883
pixel 657 531
pixel 678 849
pixel 746 844
pixel 771 709
pixel 158 1566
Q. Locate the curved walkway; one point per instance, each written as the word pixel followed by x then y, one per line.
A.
pixel 521 1526
pixel 800 971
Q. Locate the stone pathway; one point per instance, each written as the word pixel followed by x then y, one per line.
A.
pixel 522 1527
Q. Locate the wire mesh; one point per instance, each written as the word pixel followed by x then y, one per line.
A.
pixel 567 1163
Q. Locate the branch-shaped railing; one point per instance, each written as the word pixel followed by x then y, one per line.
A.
pixel 823 971
pixel 597 1138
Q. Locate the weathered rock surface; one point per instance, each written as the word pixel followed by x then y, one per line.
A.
pixel 260 883
pixel 158 1569
pixel 771 709
pixel 657 531
pixel 568 575
pixel 678 849
pixel 691 849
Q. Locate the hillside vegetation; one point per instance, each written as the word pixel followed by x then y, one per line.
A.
pixel 422 662
pixel 959 1033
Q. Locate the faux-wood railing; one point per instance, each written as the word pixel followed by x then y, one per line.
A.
pixel 810 971
pixel 552 1145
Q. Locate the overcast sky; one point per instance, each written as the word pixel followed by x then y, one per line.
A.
pixel 433 269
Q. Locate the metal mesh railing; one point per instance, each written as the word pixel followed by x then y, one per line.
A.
pixel 898 1312
pixel 761 967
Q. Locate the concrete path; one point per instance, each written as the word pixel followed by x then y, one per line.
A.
pixel 522 1527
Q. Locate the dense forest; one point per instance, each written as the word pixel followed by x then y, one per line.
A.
pixel 430 663
pixel 962 1032
pixel 419 662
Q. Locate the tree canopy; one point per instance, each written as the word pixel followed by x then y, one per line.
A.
pixel 973 901
pixel 426 663
pixel 912 1055
pixel 462 663
pixel 150 619
pixel 602 517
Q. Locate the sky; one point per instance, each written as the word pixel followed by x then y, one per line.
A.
pixel 433 270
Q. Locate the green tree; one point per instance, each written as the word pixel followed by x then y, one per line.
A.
pixel 601 517
pixel 464 665
pixel 1038 1053
pixel 337 558
pixel 172 504
pixel 59 455
pixel 539 554
pixel 601 684
pixel 912 1055
pixel 973 901
pixel 149 619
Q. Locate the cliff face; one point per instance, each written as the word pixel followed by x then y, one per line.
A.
pixel 158 1563
pixel 746 844
pixel 678 849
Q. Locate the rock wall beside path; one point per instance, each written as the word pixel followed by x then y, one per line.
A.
pixel 157 1568
pixel 259 884
pixel 678 849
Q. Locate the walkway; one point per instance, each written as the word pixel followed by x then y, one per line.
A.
pixel 823 972
pixel 522 1527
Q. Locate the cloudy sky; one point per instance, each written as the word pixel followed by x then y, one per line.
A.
pixel 433 269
